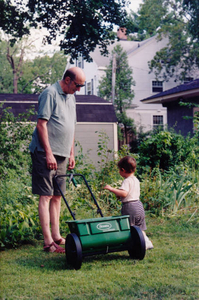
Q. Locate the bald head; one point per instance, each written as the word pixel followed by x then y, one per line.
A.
pixel 73 79
pixel 75 73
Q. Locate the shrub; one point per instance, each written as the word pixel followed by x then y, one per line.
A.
pixel 19 224
pixel 19 213
pixel 167 149
pixel 15 136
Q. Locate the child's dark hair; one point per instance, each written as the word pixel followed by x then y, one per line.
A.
pixel 127 163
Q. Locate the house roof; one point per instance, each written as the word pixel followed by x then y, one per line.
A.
pixel 90 109
pixel 128 46
pixel 184 91
pixel 88 99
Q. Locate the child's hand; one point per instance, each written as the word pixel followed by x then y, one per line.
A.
pixel 107 187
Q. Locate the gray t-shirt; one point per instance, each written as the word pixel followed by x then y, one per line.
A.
pixel 59 109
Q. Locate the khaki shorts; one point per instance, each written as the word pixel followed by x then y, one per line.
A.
pixel 42 178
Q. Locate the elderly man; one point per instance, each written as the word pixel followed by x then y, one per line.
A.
pixel 52 148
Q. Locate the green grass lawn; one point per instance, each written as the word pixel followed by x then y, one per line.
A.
pixel 169 271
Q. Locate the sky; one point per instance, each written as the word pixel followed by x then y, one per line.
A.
pixel 134 5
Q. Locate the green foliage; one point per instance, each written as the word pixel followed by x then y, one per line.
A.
pixel 76 23
pixel 19 216
pixel 45 70
pixel 13 21
pixel 19 212
pixel 103 152
pixel 123 90
pixel 178 21
pixel 83 165
pixel 123 82
pixel 192 7
pixel 166 149
pixel 151 15
pixel 137 139
pixel 172 193
pixel 6 76
pixel 31 75
pixel 195 117
pixel 132 26
pixel 15 136
pixel 19 223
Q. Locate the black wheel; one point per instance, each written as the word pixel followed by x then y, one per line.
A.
pixel 73 250
pixel 137 247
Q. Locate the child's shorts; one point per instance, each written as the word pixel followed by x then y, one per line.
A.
pixel 136 211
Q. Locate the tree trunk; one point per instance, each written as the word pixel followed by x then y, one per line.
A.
pixel 15 81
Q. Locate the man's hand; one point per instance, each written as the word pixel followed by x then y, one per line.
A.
pixel 71 163
pixel 51 162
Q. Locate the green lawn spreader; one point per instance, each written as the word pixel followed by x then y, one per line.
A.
pixel 100 235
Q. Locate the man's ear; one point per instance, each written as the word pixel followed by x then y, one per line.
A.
pixel 67 79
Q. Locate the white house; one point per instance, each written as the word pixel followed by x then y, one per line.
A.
pixel 139 54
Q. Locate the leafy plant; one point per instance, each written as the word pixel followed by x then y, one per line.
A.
pixel 166 149
pixel 19 223
pixel 169 193
pixel 15 136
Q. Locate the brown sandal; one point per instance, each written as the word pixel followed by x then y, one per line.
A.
pixel 59 242
pixel 58 249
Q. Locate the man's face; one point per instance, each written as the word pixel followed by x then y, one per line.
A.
pixel 72 86
pixel 75 86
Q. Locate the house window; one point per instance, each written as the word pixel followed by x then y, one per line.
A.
pixel 92 87
pixel 157 121
pixel 80 62
pixel 89 88
pixel 157 86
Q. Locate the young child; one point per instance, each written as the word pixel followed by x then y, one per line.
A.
pixel 129 193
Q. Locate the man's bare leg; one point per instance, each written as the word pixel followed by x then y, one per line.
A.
pixel 55 207
pixel 44 217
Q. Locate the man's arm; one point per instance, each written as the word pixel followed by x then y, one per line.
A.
pixel 71 164
pixel 43 137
